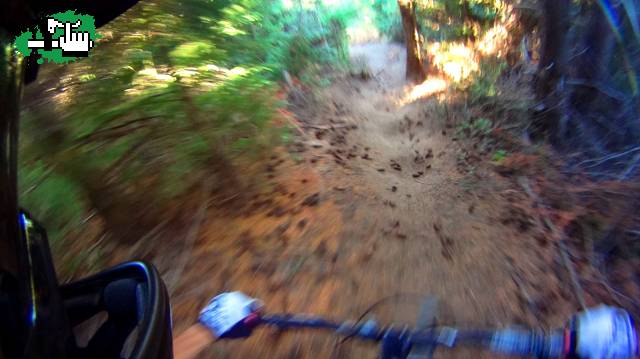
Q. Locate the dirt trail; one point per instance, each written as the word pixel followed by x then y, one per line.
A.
pixel 374 207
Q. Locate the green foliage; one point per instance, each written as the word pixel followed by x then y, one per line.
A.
pixel 499 156
pixel 55 200
pixel 483 125
pixel 500 94
pixel 193 53
pixel 86 77
pixel 472 128
pixel 485 83
pixel 440 20
pixel 178 87
pixel 387 18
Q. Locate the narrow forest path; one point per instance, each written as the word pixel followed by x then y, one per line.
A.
pixel 374 207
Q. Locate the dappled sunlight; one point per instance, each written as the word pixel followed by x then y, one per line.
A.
pixel 429 87
pixel 203 78
pixel 456 61
pixel 61 98
pixel 148 80
pixel 493 41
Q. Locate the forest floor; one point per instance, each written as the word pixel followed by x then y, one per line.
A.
pixel 369 202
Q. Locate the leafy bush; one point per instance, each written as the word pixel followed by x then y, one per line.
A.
pixel 387 19
pixel 476 127
pixel 485 83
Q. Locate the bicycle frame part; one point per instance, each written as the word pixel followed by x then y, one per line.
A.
pixel 426 320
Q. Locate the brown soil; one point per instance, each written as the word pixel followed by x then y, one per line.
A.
pixel 368 203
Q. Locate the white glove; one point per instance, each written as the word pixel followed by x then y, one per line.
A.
pixel 226 315
pixel 605 333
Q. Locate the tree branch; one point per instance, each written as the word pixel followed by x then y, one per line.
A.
pixel 113 132
pixel 601 160
pixel 630 168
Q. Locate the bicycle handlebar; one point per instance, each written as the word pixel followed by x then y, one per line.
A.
pixel 507 341
pixel 598 332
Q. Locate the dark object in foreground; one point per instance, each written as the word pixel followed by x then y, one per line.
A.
pixel 38 315
pixel 612 326
pixel 41 324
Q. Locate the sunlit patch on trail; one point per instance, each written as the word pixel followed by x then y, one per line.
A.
pixel 429 87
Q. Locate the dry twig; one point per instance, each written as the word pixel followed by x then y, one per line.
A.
pixel 517 278
pixel 577 288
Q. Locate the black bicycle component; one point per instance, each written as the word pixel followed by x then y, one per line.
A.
pixel 422 342
pixel 37 314
pixel 287 321
pixel 40 319
pixel 133 295
pixel 426 320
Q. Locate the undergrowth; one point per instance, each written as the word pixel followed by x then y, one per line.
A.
pixel 494 118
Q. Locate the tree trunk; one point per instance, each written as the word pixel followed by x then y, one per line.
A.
pixel 12 68
pixel 415 70
pixel 552 66
pixel 592 65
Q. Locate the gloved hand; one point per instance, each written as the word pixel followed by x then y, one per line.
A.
pixel 231 315
pixel 605 333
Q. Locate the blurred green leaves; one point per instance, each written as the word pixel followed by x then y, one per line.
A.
pixel 173 95
pixel 499 156
pixel 52 197
pixel 485 81
pixel 193 53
